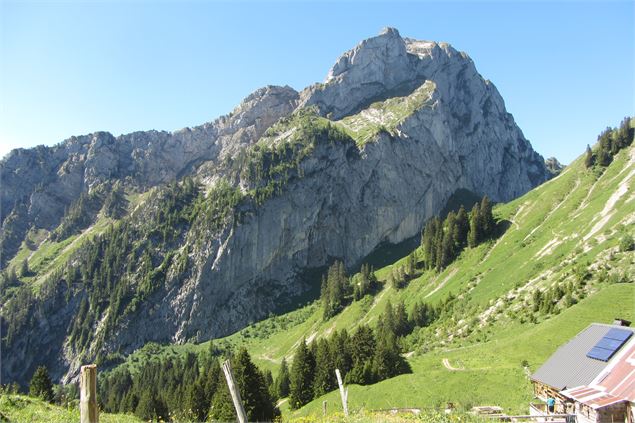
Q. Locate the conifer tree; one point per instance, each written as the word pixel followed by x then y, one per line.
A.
pixel 412 264
pixel 474 235
pixel 461 228
pixel 24 268
pixel 302 372
pixel 488 225
pixel 429 246
pixel 324 369
pixel 282 381
pixel 222 405
pixel 362 352
pixel 402 327
pixel 341 350
pixel 254 392
pixel 197 401
pixel 41 385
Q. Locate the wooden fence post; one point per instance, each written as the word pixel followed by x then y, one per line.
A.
pixel 343 392
pixel 233 390
pixel 88 394
pixel 324 408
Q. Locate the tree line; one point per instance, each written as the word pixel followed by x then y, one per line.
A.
pixel 367 356
pixel 442 241
pixel 610 142
pixel 190 388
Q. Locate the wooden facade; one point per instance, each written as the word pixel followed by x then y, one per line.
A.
pixel 544 391
pixel 622 412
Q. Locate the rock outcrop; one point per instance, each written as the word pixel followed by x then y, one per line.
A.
pixel 344 200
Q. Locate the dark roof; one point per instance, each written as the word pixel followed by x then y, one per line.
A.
pixel 569 366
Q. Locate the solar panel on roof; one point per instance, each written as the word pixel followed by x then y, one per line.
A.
pixel 618 334
pixel 600 353
pixel 609 344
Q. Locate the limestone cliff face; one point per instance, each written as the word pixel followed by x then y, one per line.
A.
pixel 345 199
pixel 39 184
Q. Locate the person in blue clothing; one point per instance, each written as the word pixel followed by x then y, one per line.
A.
pixel 551 404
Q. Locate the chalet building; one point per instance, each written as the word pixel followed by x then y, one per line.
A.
pixel 592 376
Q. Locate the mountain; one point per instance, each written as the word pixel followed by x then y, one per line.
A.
pixel 111 242
pixel 564 261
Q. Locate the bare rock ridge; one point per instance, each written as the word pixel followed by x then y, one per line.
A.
pixel 431 125
pixel 38 184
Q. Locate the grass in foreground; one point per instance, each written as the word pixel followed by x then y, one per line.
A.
pixel 24 409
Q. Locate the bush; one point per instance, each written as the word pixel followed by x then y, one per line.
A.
pixel 627 243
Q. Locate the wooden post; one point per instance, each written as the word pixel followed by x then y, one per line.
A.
pixel 324 408
pixel 343 392
pixel 88 394
pixel 233 390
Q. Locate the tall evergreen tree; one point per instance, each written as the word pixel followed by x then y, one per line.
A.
pixel 488 224
pixel 197 401
pixel 41 385
pixel 402 327
pixel 362 351
pixel 254 392
pixel 461 228
pixel 428 242
pixel 588 159
pixel 302 372
pixel 341 350
pixel 474 236
pixel 282 381
pixel 222 405
pixel 324 369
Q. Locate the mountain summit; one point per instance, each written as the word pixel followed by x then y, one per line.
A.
pixel 191 235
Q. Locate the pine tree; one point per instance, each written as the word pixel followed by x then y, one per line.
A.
pixel 488 224
pixel 588 159
pixel 428 242
pixel 324 369
pixel 282 381
pixel 197 401
pixel 461 228
pixel 474 236
pixel 24 268
pixel 362 352
pixel 341 351
pixel 604 157
pixel 222 405
pixel 302 372
pixel 402 327
pixel 254 392
pixel 41 385
pixel 151 406
pixel 412 264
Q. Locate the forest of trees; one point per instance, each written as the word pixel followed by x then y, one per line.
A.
pixel 610 142
pixel 443 241
pixel 367 356
pixel 190 388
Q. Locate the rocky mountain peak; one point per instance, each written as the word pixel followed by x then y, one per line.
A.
pixel 385 66
pixel 371 59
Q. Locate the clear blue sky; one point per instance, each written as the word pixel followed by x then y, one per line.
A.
pixel 565 69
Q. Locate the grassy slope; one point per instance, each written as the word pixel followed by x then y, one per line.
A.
pixel 547 240
pixel 44 256
pixel 492 373
pixel 23 409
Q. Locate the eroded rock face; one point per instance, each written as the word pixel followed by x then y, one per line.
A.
pixel 347 202
pixel 48 179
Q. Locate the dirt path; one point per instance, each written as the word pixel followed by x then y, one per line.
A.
pixel 443 282
pixel 555 209
pixel 447 365
pixel 608 210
